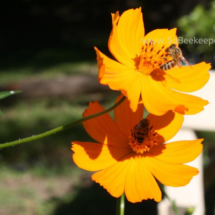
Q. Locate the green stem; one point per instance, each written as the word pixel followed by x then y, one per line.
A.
pixel 120 205
pixel 60 128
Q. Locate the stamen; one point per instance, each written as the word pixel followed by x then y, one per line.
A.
pixel 152 57
pixel 144 139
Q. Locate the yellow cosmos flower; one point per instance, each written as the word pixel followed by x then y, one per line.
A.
pixel 137 69
pixel 126 164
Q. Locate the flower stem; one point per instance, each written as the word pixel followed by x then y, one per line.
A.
pixel 60 128
pixel 120 205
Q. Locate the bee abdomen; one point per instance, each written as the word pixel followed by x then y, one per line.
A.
pixel 140 140
pixel 168 65
pixel 140 137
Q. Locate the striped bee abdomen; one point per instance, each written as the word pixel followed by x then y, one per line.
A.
pixel 140 136
pixel 168 65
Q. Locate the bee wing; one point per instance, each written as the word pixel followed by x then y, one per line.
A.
pixel 179 63
pixel 183 60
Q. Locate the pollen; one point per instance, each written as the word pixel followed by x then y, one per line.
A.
pixel 149 140
pixel 152 56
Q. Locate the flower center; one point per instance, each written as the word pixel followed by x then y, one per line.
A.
pixel 142 137
pixel 152 56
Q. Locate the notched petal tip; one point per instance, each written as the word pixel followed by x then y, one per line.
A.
pixel 91 106
pixel 201 140
pixel 181 109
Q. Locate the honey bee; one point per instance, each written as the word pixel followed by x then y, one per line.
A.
pixel 177 58
pixel 141 130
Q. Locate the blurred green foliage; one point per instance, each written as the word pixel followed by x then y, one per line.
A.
pixel 200 23
pixel 5 94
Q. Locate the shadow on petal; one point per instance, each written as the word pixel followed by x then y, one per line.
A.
pixel 159 122
pixel 160 139
pixel 158 75
pixel 101 65
pixel 155 151
pixel 181 109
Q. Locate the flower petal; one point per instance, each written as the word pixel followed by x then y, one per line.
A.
pixel 174 175
pixel 158 99
pixel 189 79
pixel 109 66
pixel 125 41
pixel 140 184
pixel 162 38
pixel 132 176
pixel 166 125
pixel 120 77
pixel 125 118
pixel 113 178
pixel 177 152
pixel 103 128
pixel 96 156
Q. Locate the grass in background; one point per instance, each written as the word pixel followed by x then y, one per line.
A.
pixel 10 75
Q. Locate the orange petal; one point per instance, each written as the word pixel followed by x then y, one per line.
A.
pixel 158 99
pixel 174 175
pixel 132 176
pixel 162 38
pixel 125 118
pixel 107 65
pixel 166 125
pixel 177 152
pixel 125 41
pixel 96 156
pixel 113 178
pixel 189 78
pixel 140 184
pixel 120 77
pixel 103 128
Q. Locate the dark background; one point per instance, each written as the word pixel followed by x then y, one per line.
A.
pixel 31 27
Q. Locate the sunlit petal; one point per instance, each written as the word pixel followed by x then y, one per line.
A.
pixel 96 156
pixel 188 78
pixel 125 41
pixel 158 99
pixel 169 174
pixel 113 178
pixel 166 125
pixel 162 38
pixel 140 184
pixel 177 152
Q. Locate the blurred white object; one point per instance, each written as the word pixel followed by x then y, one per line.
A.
pixel 192 195
pixel 204 120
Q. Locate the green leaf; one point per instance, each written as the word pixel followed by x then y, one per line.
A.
pixel 190 211
pixel 5 94
pixel 175 208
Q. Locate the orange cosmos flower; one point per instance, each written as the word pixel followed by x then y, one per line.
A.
pixel 124 163
pixel 137 71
